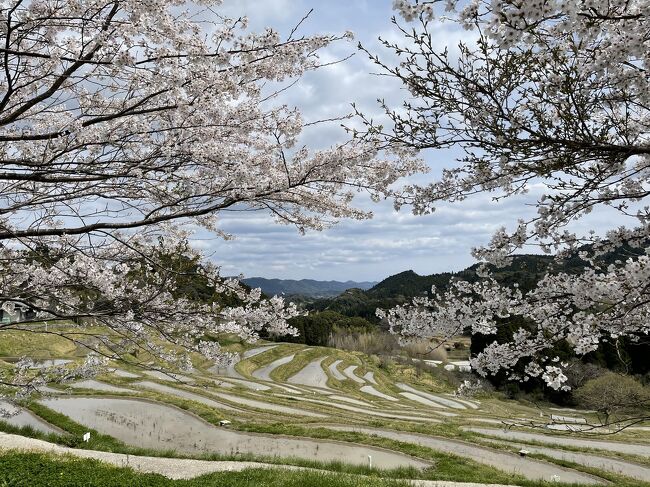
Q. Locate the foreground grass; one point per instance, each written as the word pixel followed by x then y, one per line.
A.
pixel 38 470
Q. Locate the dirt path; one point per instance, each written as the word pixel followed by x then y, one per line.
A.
pixel 174 468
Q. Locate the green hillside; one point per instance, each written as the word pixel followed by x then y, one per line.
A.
pixel 524 270
pixel 304 287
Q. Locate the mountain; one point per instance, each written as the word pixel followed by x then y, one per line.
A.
pixel 304 287
pixel 524 270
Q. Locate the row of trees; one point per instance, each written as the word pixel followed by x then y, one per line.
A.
pixel 318 328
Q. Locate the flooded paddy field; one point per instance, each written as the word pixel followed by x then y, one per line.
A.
pixel 512 463
pixel 339 392
pixel 153 425
pixel 19 417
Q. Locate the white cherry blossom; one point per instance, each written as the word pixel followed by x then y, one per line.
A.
pixel 553 92
pixel 123 122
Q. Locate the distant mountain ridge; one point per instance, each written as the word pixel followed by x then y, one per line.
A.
pixel 304 287
pixel 525 270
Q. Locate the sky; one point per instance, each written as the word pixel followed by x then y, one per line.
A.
pixel 391 242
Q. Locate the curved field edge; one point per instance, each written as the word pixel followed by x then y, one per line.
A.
pixel 43 470
pixel 448 466
pixel 265 422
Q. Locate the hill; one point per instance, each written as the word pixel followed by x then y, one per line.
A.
pixel 304 287
pixel 524 270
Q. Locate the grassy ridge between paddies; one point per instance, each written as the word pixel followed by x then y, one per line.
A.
pixel 301 360
pixel 304 355
pixel 247 366
pixel 38 470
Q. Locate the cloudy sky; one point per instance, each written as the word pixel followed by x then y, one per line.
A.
pixel 391 242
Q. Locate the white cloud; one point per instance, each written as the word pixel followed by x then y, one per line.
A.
pixel 265 13
pixel 391 242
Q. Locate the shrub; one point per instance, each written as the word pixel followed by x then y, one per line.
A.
pixel 375 343
pixel 613 393
pixel 425 350
pixel 578 373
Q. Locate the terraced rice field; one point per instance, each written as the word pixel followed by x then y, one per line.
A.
pixel 156 425
pixel 309 392
pixel 19 417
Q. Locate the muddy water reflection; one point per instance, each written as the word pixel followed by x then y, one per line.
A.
pixel 153 425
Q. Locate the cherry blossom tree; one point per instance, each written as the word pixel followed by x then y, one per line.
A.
pixel 123 125
pixel 552 94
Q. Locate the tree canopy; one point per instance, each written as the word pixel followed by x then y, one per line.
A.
pixel 125 123
pixel 541 94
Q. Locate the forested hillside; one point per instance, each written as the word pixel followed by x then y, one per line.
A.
pixel 304 287
pixel 524 270
pixel 623 354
